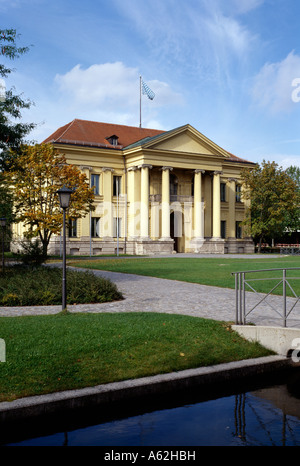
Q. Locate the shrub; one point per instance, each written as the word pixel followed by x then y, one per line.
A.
pixel 31 252
pixel 40 286
pixel 10 299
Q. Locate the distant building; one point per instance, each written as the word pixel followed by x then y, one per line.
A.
pixel 156 192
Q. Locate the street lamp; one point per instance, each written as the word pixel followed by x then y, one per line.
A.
pixel 3 225
pixel 64 194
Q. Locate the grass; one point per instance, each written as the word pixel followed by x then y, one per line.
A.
pixel 24 286
pixel 205 271
pixel 47 354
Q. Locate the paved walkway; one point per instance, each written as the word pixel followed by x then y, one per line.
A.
pixel 150 294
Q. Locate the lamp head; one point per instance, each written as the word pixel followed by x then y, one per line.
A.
pixel 64 194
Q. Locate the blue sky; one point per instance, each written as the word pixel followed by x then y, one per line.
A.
pixel 230 68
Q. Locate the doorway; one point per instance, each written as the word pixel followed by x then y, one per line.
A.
pixel 176 230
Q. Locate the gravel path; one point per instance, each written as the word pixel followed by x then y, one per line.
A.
pixel 150 294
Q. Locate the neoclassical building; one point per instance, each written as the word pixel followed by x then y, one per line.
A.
pixel 156 192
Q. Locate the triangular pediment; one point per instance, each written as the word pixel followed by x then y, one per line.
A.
pixel 187 140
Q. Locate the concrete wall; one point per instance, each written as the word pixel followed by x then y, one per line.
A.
pixel 283 341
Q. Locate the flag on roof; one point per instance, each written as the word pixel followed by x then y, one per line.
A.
pixel 147 91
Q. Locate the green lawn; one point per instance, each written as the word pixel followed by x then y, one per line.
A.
pixel 47 354
pixel 206 271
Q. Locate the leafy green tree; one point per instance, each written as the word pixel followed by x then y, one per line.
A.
pixel 36 175
pixel 294 173
pixel 6 208
pixel 274 201
pixel 294 223
pixel 12 130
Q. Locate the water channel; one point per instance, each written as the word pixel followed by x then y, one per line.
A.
pixel 264 415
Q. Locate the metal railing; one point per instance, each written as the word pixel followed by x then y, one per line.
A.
pixel 293 251
pixel 243 284
pixel 173 198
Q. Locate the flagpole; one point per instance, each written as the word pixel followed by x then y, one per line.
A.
pixel 144 89
pixel 140 101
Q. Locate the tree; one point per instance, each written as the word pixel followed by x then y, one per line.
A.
pixel 36 175
pixel 12 131
pixel 274 201
pixel 294 173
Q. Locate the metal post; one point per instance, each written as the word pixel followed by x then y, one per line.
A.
pixel 240 299
pixel 118 233
pixel 244 299
pixel 91 234
pixel 140 101
pixel 3 225
pixel 284 296
pixel 2 249
pixel 64 278
pixel 236 300
pixel 64 200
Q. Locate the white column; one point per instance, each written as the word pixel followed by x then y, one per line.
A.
pixel 144 227
pixel 231 207
pixel 86 221
pixel 198 205
pixel 134 205
pixel 165 203
pixel 107 202
pixel 216 205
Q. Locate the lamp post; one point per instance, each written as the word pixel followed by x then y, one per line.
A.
pixel 3 225
pixel 64 194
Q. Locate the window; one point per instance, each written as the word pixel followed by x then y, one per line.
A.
pixel 238 193
pixel 95 183
pixel 73 228
pixel 173 185
pixel 117 226
pixel 238 230
pixel 223 229
pixel 113 140
pixel 95 227
pixel 117 180
pixel 223 192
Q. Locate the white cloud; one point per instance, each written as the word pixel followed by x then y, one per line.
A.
pixel 205 39
pixel 10 4
pixel 110 85
pixel 242 6
pixel 106 92
pixel 228 34
pixel 272 86
pixel 99 84
pixel 286 161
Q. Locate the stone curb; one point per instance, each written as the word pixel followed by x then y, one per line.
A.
pixel 122 392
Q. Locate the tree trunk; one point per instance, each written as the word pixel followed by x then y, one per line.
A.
pixel 45 238
pixel 259 245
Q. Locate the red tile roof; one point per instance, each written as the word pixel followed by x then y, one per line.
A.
pixel 95 134
pixel 91 133
pixel 234 158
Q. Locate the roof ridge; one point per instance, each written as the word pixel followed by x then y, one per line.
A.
pixel 116 124
pixel 68 126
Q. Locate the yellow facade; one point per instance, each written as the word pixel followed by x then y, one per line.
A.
pixel 175 192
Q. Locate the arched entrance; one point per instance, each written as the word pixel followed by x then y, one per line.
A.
pixel 176 230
